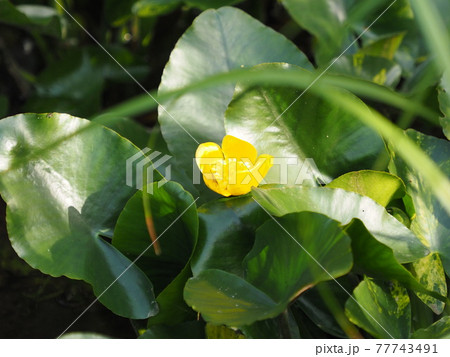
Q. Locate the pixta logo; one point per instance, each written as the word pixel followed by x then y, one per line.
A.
pixel 140 169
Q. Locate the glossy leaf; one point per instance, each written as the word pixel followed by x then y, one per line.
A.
pixel 224 298
pixel 177 236
pixel 291 130
pixel 128 128
pixel 344 206
pixel 227 233
pixel 312 249
pixel 218 41
pixel 62 200
pixel 381 187
pixel 383 311
pixel 440 329
pixel 431 222
pixel 296 253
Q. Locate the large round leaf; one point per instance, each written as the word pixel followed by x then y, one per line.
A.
pixel 224 298
pixel 287 258
pixel 344 206
pixel 64 182
pixel 218 41
pixel 295 252
pixel 176 224
pixel 279 123
pixel 227 233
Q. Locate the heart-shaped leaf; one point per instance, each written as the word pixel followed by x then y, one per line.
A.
pixel 344 206
pixel 227 233
pixel 63 179
pixel 308 248
pixel 218 41
pixel 224 298
pixel 295 252
pixel 176 224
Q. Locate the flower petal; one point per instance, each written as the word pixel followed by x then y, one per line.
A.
pixel 235 148
pixel 207 155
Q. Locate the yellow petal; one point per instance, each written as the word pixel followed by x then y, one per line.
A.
pixel 248 175
pixel 208 154
pixel 235 148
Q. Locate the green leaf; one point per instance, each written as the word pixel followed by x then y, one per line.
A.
pixel 344 206
pixel 63 88
pixel 312 303
pixel 172 307
pixel 375 69
pixel 191 329
pixel 444 104
pixel 227 233
pixel 208 4
pixel 324 19
pixel 218 41
pixel 312 249
pixel 276 123
pixel 384 47
pixel 432 222
pixel 126 127
pixel 222 332
pixel 177 232
pixel 308 248
pixel 381 187
pixel 61 200
pixel 440 329
pixel 43 19
pixel 383 311
pixel 430 273
pixel 377 260
pixel 224 298
pixel 149 8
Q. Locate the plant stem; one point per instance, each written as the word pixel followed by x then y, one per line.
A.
pixel 338 313
pixel 284 324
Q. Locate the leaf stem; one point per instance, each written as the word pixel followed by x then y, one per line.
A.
pixel 284 324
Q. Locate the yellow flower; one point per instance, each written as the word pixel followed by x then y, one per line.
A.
pixel 233 168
